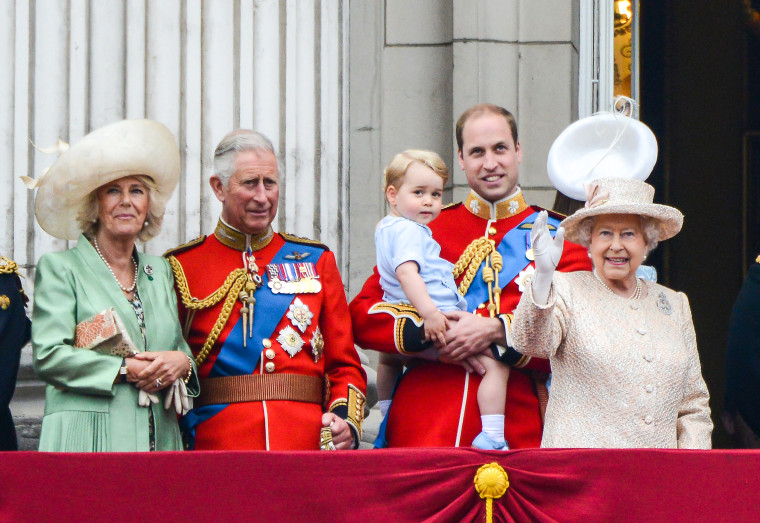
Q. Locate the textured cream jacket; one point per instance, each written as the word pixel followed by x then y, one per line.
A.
pixel 625 373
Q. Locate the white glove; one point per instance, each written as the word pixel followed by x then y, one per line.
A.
pixel 547 252
pixel 144 399
pixel 177 396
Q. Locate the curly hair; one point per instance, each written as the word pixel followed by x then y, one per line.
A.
pixel 650 228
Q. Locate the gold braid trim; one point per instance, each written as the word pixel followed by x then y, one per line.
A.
pixel 8 266
pixel 231 288
pixel 470 260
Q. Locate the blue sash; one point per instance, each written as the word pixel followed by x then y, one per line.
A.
pixel 512 249
pixel 234 359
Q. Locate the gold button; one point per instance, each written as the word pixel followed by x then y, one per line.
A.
pixel 266 343
pixel 269 366
pixel 269 354
pixel 482 306
pixel 492 230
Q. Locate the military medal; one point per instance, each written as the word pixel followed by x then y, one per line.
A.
pixel 293 278
pixel 300 314
pixel 528 247
pixel 290 340
pixel 298 256
pixel 317 344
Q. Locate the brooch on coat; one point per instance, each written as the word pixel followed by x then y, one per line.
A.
pixel 663 304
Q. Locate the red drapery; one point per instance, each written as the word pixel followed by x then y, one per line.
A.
pixel 381 485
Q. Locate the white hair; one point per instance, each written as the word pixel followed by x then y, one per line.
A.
pixel 234 142
pixel 650 228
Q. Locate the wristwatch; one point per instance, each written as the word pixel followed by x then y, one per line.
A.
pixel 123 370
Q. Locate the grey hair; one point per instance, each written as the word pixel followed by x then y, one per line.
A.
pixel 234 142
pixel 650 228
pixel 87 217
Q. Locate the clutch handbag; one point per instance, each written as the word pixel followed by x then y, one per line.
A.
pixel 105 333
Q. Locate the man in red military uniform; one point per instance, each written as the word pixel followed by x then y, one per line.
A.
pixel 488 239
pixel 266 317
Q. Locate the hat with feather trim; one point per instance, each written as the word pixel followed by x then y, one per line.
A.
pixel 124 148
pixel 623 196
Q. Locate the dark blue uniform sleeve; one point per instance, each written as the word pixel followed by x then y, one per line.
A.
pixel 15 329
pixel 743 353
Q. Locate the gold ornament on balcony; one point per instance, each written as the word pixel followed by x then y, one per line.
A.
pixel 491 482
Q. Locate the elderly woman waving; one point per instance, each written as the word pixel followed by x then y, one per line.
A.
pixel 623 351
pixel 105 332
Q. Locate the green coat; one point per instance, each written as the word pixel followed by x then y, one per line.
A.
pixel 84 410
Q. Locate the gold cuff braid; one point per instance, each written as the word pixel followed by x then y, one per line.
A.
pixel 355 405
pixel 230 289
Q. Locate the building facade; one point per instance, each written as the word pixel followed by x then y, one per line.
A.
pixel 340 86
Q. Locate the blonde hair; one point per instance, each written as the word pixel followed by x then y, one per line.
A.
pixel 87 217
pixel 396 170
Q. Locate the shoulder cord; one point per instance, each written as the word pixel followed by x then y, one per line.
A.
pixel 231 287
pixel 468 264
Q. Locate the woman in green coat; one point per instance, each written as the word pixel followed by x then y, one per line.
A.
pixel 109 190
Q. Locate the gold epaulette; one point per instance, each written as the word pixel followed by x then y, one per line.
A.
pixel 8 266
pixel 757 260
pixel 306 241
pixel 185 246
pixel 555 214
pixel 450 205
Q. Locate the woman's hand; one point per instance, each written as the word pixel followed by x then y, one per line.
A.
pixel 159 369
pixel 547 252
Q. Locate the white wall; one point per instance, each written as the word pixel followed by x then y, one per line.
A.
pixel 200 68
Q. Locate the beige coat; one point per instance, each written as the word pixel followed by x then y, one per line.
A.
pixel 625 373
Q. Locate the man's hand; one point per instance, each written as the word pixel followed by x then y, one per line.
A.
pixel 471 364
pixel 343 438
pixel 469 335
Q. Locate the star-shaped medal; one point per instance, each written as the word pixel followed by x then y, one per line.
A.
pixel 300 314
pixel 290 341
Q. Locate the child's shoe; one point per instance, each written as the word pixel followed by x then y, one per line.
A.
pixel 484 442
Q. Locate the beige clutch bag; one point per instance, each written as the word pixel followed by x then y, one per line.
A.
pixel 105 333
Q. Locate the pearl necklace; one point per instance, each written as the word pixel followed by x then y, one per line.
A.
pixel 125 289
pixel 636 293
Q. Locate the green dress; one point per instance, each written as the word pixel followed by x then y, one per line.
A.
pixel 85 411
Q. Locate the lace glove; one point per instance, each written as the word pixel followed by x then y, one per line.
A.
pixel 547 251
pixel 177 396
pixel 144 399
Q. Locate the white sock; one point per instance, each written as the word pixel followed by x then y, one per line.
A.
pixel 493 425
pixel 384 406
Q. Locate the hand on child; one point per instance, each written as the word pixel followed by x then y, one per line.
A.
pixel 436 326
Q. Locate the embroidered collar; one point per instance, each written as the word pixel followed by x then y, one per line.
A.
pixel 234 239
pixel 510 206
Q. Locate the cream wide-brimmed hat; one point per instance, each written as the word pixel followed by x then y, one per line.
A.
pixel 125 148
pixel 606 145
pixel 621 196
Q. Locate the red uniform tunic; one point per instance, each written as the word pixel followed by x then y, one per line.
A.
pixel 435 404
pixel 283 349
